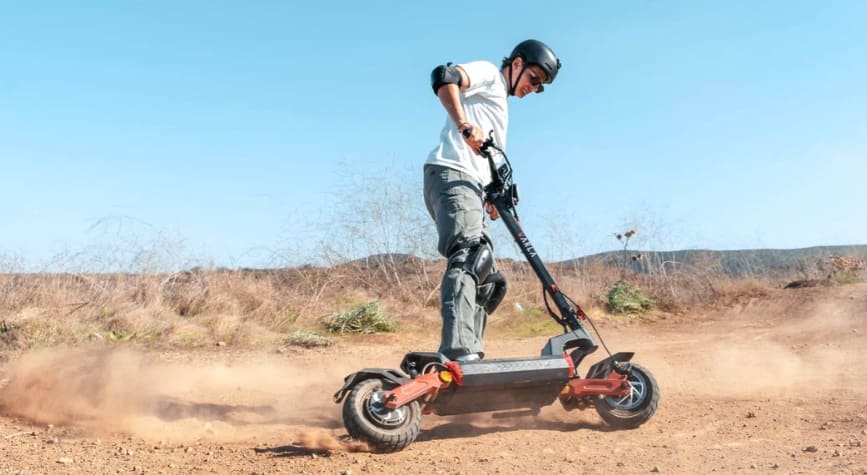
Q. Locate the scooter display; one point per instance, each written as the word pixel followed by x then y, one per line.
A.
pixel 383 407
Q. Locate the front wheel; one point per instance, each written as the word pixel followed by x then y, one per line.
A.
pixel 635 408
pixel 367 419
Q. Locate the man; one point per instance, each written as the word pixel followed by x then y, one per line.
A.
pixel 474 95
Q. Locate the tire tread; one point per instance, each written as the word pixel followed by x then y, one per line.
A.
pixel 380 440
pixel 620 419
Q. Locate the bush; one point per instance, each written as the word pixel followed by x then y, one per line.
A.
pixel 366 318
pixel 626 299
pixel 308 339
pixel 846 278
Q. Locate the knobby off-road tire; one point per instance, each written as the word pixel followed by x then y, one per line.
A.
pixel 637 407
pixel 366 419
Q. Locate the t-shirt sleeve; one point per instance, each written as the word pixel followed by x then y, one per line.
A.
pixel 482 75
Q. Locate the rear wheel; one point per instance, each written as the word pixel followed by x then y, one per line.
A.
pixel 367 419
pixel 635 408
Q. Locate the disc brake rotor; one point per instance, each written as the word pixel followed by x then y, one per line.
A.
pixel 637 394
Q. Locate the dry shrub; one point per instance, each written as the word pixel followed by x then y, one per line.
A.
pixel 187 334
pixel 224 328
pixel 186 293
pixel 742 291
pixel 140 324
pixel 202 307
pixel 679 291
pixel 308 339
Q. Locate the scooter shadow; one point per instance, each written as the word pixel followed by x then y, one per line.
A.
pixel 292 451
pixel 447 430
pixel 170 409
pixel 300 451
pixel 458 430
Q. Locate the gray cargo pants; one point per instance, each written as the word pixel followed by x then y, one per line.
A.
pixel 454 201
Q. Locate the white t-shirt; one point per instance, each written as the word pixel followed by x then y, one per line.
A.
pixel 485 106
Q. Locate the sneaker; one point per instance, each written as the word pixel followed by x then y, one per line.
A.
pixel 468 357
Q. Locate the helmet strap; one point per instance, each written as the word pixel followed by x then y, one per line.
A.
pixel 514 84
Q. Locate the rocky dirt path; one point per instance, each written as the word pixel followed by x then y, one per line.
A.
pixel 774 385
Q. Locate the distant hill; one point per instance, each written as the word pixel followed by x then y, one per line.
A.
pixel 805 263
pixel 809 261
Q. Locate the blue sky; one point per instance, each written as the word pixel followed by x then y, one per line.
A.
pixel 232 128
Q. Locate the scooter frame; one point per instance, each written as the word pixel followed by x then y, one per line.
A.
pixel 449 387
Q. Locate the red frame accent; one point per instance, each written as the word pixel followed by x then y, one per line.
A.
pixel 423 385
pixel 429 384
pixel 456 371
pixel 571 365
pixel 614 385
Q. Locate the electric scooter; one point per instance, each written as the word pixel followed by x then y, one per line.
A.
pixel 383 407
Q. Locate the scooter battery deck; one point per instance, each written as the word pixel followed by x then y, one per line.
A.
pixel 518 372
pixel 494 385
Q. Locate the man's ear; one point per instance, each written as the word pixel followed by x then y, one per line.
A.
pixel 517 63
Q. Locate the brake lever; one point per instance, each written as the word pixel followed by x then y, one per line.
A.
pixel 488 143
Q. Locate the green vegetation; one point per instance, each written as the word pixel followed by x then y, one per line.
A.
pixel 308 339
pixel 846 278
pixel 844 269
pixel 627 299
pixel 527 321
pixel 366 318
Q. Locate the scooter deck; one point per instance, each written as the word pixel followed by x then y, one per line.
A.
pixel 504 384
pixel 515 371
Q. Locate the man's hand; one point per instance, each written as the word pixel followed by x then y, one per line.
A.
pixel 472 135
pixel 492 211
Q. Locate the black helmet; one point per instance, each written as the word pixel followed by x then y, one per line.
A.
pixel 538 53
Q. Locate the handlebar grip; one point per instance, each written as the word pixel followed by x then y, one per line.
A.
pixel 467 132
pixel 485 146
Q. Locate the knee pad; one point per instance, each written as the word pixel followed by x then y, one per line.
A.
pixel 491 292
pixel 476 259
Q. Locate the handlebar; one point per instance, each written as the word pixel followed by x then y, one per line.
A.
pixel 497 179
pixel 501 190
pixel 488 143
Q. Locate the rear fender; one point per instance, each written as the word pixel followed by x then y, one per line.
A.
pixel 352 379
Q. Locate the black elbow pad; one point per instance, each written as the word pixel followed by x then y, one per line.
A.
pixel 445 74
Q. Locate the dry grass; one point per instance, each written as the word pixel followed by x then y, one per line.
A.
pixel 199 308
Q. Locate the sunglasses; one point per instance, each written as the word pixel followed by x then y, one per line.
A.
pixel 535 81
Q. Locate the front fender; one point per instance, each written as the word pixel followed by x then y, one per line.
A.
pixel 615 362
pixel 352 379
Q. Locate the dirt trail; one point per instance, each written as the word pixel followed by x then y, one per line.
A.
pixel 775 385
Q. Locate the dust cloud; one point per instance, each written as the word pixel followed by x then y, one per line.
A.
pixel 794 349
pixel 785 347
pixel 795 355
pixel 111 391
